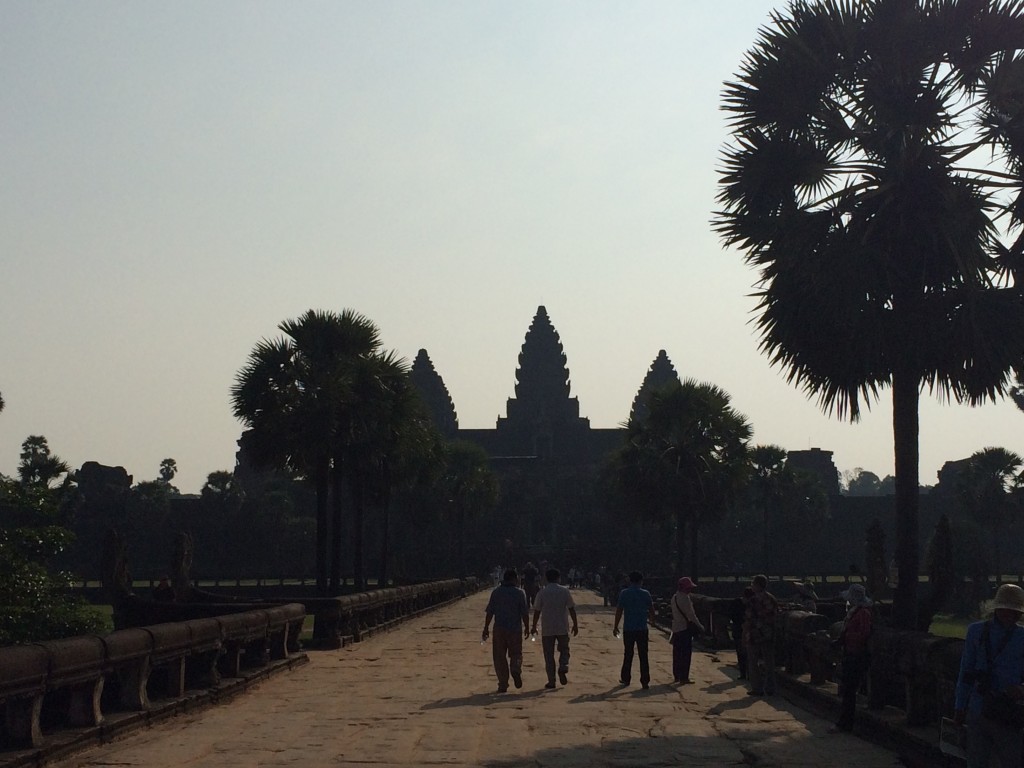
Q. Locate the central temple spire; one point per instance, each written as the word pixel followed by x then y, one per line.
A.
pixel 542 413
pixel 542 380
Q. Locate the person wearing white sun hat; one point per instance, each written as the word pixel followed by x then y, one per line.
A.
pixel 990 688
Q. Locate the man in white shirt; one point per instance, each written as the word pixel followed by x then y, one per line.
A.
pixel 554 607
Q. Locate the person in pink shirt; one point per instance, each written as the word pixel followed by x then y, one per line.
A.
pixel 854 641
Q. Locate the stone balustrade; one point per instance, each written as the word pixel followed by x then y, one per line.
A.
pixel 349 618
pixel 914 672
pixel 187 651
pixel 73 682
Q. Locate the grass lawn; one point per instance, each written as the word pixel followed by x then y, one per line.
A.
pixel 948 625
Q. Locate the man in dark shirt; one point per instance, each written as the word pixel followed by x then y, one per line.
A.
pixel 507 607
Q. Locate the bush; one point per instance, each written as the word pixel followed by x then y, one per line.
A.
pixel 34 600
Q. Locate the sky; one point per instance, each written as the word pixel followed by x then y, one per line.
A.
pixel 176 179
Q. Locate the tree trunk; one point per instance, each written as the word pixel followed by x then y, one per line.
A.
pixel 694 567
pixel 906 397
pixel 680 539
pixel 461 523
pixel 382 580
pixel 358 575
pixel 766 565
pixel 997 547
pixel 337 506
pixel 322 484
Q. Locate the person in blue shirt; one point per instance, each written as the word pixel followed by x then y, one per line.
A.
pixel 636 607
pixel 993 665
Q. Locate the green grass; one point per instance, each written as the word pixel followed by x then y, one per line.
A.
pixel 948 625
pixel 307 628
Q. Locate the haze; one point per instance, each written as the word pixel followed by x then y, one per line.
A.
pixel 177 178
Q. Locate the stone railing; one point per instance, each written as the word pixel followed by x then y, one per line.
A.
pixel 349 618
pixel 912 675
pixel 78 681
pixel 337 620
pixel 168 657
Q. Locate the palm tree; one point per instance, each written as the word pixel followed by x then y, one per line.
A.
pixel 383 420
pixel 294 394
pixel 987 485
pixel 411 456
pixel 686 457
pixel 39 467
pixel 470 488
pixel 874 175
pixel 1016 391
pixel 767 463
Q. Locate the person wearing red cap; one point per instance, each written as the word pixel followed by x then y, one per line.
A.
pixel 685 625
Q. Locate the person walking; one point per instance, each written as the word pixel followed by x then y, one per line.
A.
pixel 607 586
pixel 737 615
pixel 685 625
pixel 530 586
pixel 990 687
pixel 554 607
pixel 634 609
pixel 759 636
pixel 853 638
pixel 507 606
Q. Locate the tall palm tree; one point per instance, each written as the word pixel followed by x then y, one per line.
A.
pixel 874 178
pixel 384 420
pixel 686 457
pixel 767 463
pixel 294 394
pixel 39 467
pixel 470 488
pixel 1016 391
pixel 411 457
pixel 987 486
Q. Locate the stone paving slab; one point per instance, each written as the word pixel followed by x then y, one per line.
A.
pixel 424 695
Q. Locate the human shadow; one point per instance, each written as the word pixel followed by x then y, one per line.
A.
pixel 722 687
pixel 483 699
pixel 624 691
pixel 733 705
pixel 702 749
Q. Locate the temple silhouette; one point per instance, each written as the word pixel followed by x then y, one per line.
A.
pixel 547 456
pixel 542 421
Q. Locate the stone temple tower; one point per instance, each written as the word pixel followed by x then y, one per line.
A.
pixel 542 423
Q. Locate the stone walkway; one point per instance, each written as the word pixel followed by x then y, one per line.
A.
pixel 424 694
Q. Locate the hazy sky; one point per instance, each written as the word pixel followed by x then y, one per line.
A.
pixel 178 178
